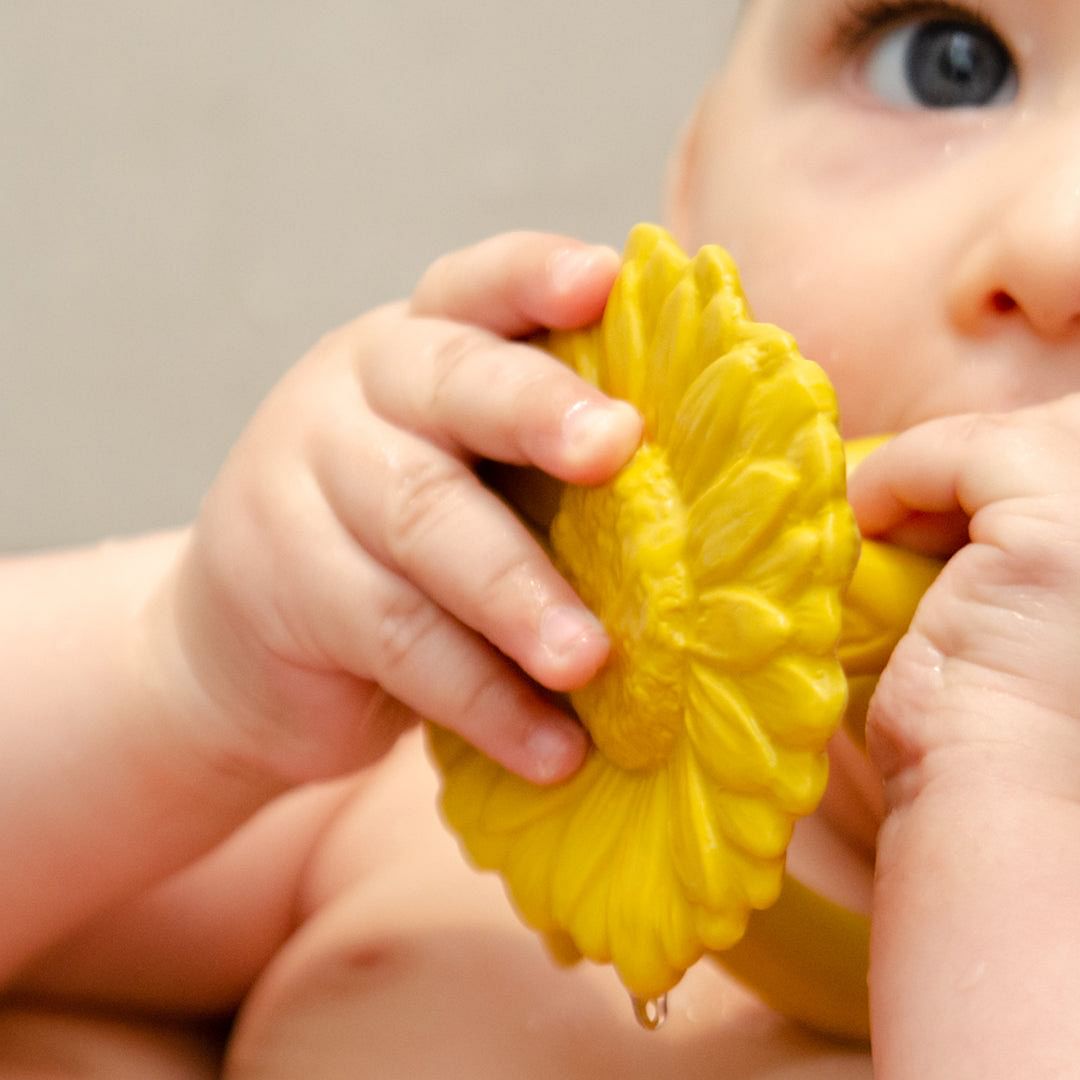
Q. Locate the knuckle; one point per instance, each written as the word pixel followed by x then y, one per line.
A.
pixel 484 703
pixel 507 586
pixel 403 620
pixel 548 390
pixel 422 495
pixel 453 357
pixel 531 385
pixel 541 380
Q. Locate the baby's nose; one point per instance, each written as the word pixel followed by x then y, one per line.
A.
pixel 1024 261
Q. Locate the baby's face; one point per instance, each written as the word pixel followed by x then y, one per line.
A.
pixel 900 186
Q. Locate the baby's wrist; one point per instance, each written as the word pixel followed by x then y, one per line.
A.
pixel 120 779
pixel 195 738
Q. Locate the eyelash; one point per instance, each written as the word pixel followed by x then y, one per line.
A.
pixel 864 19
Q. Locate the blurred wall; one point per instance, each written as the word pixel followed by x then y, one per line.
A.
pixel 191 191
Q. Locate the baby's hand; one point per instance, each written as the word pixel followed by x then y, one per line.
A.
pixel 348 572
pixel 976 729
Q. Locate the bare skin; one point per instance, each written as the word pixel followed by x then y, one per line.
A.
pixel 387 917
pixel 926 257
pixel 200 787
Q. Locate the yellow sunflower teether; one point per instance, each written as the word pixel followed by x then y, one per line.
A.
pixel 716 559
pixel 806 955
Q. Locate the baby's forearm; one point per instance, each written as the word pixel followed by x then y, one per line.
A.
pixel 109 776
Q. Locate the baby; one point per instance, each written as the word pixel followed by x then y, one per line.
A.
pixel 222 848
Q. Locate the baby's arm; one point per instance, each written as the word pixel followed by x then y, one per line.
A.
pixel 105 783
pixel 976 728
pixel 346 574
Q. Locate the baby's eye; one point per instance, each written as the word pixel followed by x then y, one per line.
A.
pixel 941 63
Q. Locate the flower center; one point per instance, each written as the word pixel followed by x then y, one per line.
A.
pixel 622 547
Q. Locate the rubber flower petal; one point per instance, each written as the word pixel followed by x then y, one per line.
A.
pixel 716 559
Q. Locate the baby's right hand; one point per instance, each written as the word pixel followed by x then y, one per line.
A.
pixel 348 572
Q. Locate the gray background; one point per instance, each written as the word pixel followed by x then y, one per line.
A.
pixel 191 192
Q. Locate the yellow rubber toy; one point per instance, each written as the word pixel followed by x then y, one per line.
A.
pixel 718 559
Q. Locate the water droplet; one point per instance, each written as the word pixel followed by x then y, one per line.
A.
pixel 650 1013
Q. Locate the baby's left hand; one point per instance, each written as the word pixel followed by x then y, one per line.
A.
pixel 975 728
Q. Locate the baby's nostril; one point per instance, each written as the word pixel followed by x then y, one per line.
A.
pixel 1002 302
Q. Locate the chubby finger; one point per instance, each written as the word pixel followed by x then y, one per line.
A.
pixel 424 515
pixel 467 389
pixel 383 629
pixel 956 466
pixel 520 282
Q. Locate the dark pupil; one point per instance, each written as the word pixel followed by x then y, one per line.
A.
pixel 953 63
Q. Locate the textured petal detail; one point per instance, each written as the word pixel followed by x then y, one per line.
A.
pixel 716 559
pixel 512 804
pixel 738 628
pixel 720 928
pixel 817 685
pixel 725 732
pixel 699 843
pixel 736 516
pixel 784 567
pixel 761 880
pixel 754 825
pixel 799 781
pixel 663 271
pixel 597 828
pixel 642 869
pixel 815 620
pixel 674 361
pixel 623 336
pixel 530 864
pixel 707 421
pixel 777 408
pixel 817 454
pixel 675 927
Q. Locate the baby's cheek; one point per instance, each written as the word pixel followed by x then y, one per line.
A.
pixel 859 307
pixel 836 339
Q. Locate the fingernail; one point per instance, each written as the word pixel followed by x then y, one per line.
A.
pixel 554 749
pixel 569 267
pixel 588 425
pixel 564 629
